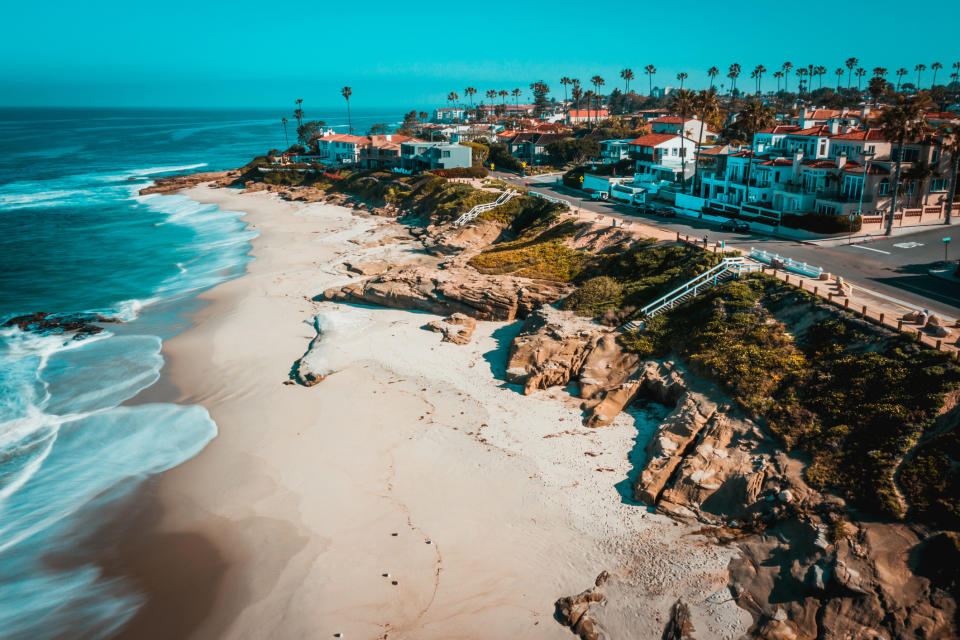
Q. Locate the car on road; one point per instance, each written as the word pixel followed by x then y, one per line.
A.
pixel 734 225
pixel 666 212
pixel 599 195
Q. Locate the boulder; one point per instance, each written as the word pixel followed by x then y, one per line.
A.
pixel 574 611
pixel 169 184
pixel 458 328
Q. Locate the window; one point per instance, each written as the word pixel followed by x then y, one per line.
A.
pixel 938 184
pixel 909 187
pixel 884 188
pixel 935 155
pixel 852 186
pixel 446 154
pixel 909 155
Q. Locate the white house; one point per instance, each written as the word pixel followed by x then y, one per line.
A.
pixel 613 151
pixel 690 127
pixel 449 114
pixel 663 156
pixel 341 147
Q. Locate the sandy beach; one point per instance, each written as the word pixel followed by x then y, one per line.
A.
pixel 410 494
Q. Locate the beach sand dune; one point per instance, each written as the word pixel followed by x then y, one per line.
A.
pixel 411 493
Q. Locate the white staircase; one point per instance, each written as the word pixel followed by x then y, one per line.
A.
pixel 728 269
pixel 480 208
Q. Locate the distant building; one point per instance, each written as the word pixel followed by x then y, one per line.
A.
pixel 613 151
pixel 383 151
pixel 691 127
pixel 576 116
pixel 662 156
pixel 341 148
pixel 418 156
pixel 531 146
pixel 447 115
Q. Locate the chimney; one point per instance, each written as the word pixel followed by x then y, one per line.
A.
pixel 797 159
pixel 389 137
pixel 841 160
pixel 834 127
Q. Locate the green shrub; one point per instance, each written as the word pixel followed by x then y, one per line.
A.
pixel 821 223
pixel 595 296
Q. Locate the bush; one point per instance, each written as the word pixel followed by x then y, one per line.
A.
pixel 462 172
pixel 821 223
pixel 500 157
pixel 595 296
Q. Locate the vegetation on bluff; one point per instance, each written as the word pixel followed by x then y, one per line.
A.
pixel 852 396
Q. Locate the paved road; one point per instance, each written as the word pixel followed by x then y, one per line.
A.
pixel 895 267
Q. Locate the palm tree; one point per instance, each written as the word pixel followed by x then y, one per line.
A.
pixel 778 75
pixel 902 122
pixel 491 95
pixel 876 88
pixel 839 73
pixel 470 92
pixel 298 112
pixel 819 71
pixel 900 73
pixel 516 101
pixel 956 70
pixel 565 81
pixel 754 116
pixel 681 101
pixel 713 72
pixel 860 72
pixel 706 105
pixel 503 98
pixel 650 70
pixel 346 92
pixel 851 63
pixel 681 77
pixel 801 72
pixel 597 82
pixel 760 71
pixel 919 68
pixel 786 67
pixel 588 98
pixel 285 136
pixel 733 74
pixel 936 66
pixel 627 75
pixel 879 72
pixel 950 142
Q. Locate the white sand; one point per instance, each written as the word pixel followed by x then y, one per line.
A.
pixel 303 487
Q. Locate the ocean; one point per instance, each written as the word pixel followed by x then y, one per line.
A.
pixel 76 237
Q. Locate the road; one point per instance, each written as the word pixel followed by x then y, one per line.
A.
pixel 896 267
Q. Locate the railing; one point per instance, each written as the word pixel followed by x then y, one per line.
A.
pixel 727 269
pixel 550 198
pixel 480 208
pixel 788 264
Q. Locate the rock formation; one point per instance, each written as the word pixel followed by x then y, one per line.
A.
pixel 574 611
pixel 80 325
pixel 169 184
pixel 449 291
pixel 458 328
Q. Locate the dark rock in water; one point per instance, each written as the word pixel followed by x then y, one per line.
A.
pixel 679 627
pixel 80 324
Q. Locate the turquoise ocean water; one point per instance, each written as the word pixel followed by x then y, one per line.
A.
pixel 76 237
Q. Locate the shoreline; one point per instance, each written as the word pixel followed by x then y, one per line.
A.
pixel 498 500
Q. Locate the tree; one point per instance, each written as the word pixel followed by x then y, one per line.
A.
pixel 901 122
pixel 920 68
pixel 839 73
pixel 681 101
pixel 470 92
pixel 759 70
pixel 298 112
pixel 879 72
pixel 936 66
pixel 540 92
pixel 876 88
pixel 713 72
pixel 900 73
pixel 949 141
pixel 733 73
pixel 597 82
pixel 778 75
pixel 377 129
pixel 308 132
pixel 753 117
pixel 572 150
pixel 480 152
pixel 801 73
pixel 650 70
pixel 860 73
pixel 681 77
pixel 565 81
pixel 819 71
pixel 786 67
pixel 346 92
pixel 851 64
pixel 285 136
pixel 706 105
pixel 627 75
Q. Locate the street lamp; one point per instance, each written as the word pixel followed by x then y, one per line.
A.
pixel 866 155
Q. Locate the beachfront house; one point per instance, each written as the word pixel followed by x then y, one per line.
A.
pixel 341 148
pixel 690 127
pixel 448 115
pixel 383 151
pixel 417 156
pixel 662 156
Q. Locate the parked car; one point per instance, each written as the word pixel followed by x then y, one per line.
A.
pixel 734 225
pixel 599 195
pixel 667 212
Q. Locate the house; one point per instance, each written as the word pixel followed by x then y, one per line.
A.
pixel 576 116
pixel 341 148
pixel 509 110
pixel 418 156
pixel 662 156
pixel 531 146
pixel 383 151
pixel 474 133
pixel 690 127
pixel 447 115
pixel 613 151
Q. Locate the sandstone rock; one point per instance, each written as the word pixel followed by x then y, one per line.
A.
pixel 680 626
pixel 471 238
pixel 574 611
pixel 458 328
pixel 169 184
pixel 370 268
pixel 443 292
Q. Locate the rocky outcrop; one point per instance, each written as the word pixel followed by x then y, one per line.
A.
pixel 680 626
pixel 367 268
pixel 311 368
pixel 80 325
pixel 449 291
pixel 574 611
pixel 170 184
pixel 457 329
pixel 468 239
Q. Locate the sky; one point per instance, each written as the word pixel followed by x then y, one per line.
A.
pixel 405 55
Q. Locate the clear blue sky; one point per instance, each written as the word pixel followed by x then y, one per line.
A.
pixel 398 54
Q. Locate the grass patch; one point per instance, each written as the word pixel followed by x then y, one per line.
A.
pixel 538 253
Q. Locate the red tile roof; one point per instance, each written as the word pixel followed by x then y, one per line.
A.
pixel 345 137
pixel 818 130
pixel 824 114
pixel 653 139
pixel 780 128
pixel 670 120
pixel 860 134
pixel 778 162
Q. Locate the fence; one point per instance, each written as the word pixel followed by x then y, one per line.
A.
pixel 550 198
pixel 788 264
